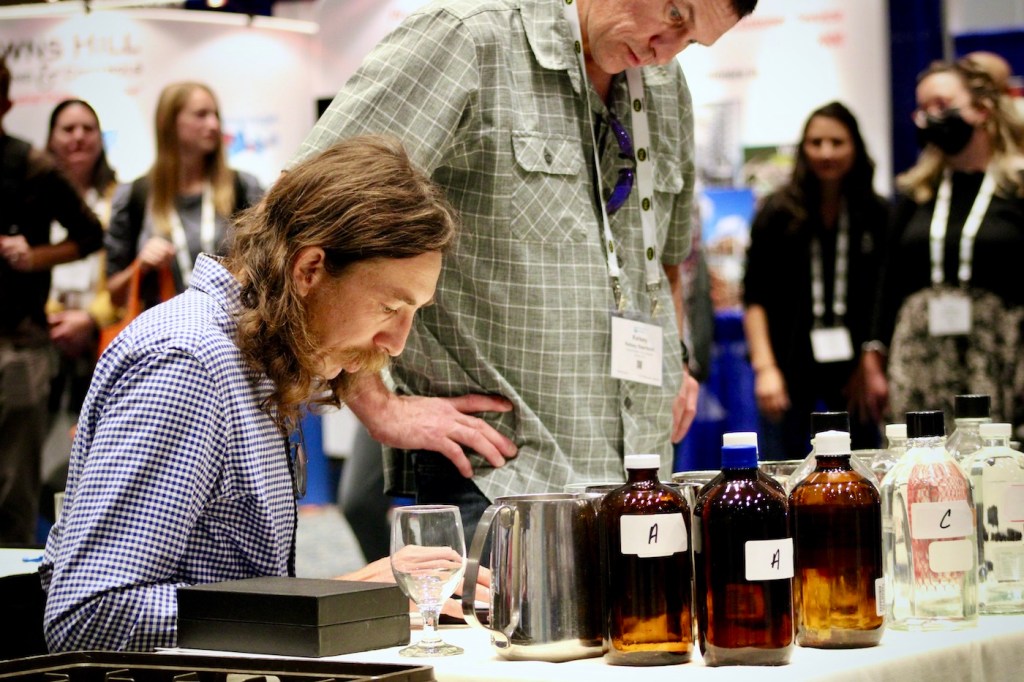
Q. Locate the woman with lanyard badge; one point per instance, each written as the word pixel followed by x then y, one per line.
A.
pixel 181 207
pixel 809 284
pixel 952 303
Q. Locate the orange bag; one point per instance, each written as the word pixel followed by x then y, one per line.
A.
pixel 133 308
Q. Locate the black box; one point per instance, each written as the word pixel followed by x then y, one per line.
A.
pixel 292 616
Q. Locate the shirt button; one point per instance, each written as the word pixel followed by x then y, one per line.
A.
pixel 547 157
pixel 628 402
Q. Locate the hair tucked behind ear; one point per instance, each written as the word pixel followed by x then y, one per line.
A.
pixel 358 200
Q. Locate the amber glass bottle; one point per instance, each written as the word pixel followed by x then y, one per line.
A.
pixel 648 581
pixel 837 551
pixel 743 565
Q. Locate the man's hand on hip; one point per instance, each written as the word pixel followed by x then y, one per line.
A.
pixel 444 425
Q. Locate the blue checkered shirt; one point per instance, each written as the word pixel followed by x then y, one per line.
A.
pixel 177 477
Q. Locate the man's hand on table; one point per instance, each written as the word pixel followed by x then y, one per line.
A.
pixel 380 571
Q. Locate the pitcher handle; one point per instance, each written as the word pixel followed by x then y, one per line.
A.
pixel 476 549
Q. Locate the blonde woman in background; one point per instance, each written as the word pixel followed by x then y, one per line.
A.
pixel 180 208
pixel 951 314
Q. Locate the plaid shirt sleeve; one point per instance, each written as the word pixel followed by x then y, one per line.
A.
pixel 138 495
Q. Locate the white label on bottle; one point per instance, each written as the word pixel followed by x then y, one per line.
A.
pixel 951 556
pixel 768 559
pixel 940 520
pixel 1013 503
pixel 879 596
pixel 652 535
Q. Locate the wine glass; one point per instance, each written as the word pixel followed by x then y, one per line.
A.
pixel 428 558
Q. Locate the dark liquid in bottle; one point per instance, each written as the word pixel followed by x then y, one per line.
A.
pixel 740 621
pixel 648 597
pixel 837 536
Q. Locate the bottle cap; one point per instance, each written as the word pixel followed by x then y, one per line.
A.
pixel 895 430
pixel 972 406
pixel 926 424
pixel 739 457
pixel 829 421
pixel 642 461
pixel 740 438
pixel 832 443
pixel 995 430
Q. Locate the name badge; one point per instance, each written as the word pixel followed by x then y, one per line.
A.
pixel 831 344
pixel 949 314
pixel 636 351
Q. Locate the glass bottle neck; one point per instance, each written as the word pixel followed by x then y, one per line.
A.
pixel 832 461
pixel 970 424
pixel 996 442
pixel 897 443
pixel 641 475
pixel 927 442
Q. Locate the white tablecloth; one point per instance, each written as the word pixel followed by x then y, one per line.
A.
pixel 18 561
pixel 992 652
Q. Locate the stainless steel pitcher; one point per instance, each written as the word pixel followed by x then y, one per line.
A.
pixel 546 601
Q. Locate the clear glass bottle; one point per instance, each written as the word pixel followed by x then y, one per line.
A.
pixel 928 534
pixel 743 566
pixel 997 472
pixel 821 422
pixel 971 411
pixel 884 460
pixel 838 584
pixel 646 527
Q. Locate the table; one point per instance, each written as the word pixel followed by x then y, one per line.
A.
pixel 991 652
pixel 19 561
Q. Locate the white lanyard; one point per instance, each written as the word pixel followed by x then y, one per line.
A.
pixel 817 272
pixel 644 171
pixel 207 233
pixel 940 220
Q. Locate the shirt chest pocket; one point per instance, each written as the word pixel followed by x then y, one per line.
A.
pixel 546 186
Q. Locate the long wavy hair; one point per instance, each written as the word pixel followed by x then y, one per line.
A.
pixel 103 176
pixel 359 200
pixel 801 196
pixel 1003 126
pixel 163 175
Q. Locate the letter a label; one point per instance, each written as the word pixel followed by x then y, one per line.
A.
pixel 768 559
pixel 652 535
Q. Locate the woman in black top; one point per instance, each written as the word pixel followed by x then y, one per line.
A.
pixel 951 307
pixel 811 268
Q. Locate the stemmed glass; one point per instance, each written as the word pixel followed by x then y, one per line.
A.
pixel 428 558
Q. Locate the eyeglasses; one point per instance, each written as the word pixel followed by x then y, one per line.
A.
pixel 624 185
pixel 297 463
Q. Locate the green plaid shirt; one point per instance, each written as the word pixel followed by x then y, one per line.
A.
pixel 486 96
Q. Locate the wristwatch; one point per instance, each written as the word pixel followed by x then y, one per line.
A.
pixel 686 354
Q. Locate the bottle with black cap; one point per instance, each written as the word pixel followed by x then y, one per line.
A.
pixel 838 585
pixel 928 534
pixel 971 412
pixel 743 566
pixel 647 579
pixel 997 472
pixel 821 422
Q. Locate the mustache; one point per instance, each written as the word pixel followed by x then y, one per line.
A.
pixel 369 360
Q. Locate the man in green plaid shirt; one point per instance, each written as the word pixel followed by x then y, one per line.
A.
pixel 505 385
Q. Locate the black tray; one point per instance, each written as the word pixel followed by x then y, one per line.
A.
pixel 108 666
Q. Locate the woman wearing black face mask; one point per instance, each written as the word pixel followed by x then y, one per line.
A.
pixel 951 300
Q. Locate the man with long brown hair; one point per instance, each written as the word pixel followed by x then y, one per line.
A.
pixel 181 472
